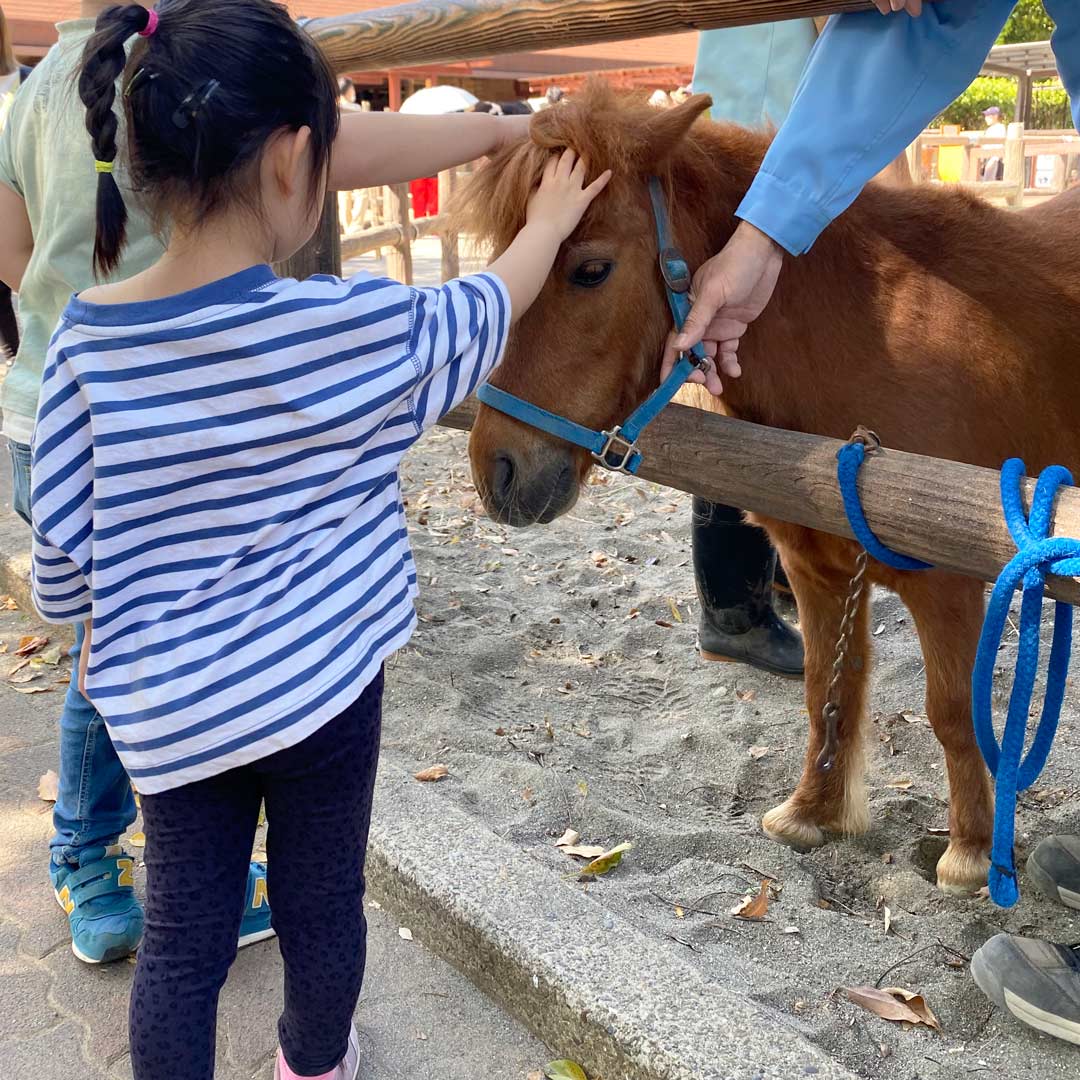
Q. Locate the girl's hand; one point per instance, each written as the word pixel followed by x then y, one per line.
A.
pixel 912 7
pixel 562 198
pixel 731 290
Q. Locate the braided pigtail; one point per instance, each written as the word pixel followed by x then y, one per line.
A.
pixel 104 60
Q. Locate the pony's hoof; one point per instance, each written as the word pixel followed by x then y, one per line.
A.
pixel 962 871
pixel 788 825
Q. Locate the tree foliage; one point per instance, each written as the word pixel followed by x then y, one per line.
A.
pixel 1028 22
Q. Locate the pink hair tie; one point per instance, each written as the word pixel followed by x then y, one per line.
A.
pixel 151 24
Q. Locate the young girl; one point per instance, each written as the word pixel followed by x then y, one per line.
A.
pixel 215 493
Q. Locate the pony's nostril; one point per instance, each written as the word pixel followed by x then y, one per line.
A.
pixel 502 480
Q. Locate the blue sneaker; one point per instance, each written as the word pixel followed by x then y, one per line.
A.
pixel 98 896
pixel 255 925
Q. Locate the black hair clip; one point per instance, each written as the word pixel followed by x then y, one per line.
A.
pixel 137 78
pixel 190 107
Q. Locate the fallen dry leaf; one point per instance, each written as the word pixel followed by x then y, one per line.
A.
pixel 888 919
pixel 901 783
pixel 430 776
pixel 675 614
pixel 405 933
pixel 568 838
pixel 564 1070
pixel 893 1003
pixel 49 787
pixel 7 603
pixel 754 908
pixel 758 752
pixel 608 860
pixel 18 666
pixel 137 839
pixel 32 689
pixel 30 644
pixel 879 630
pixel 583 851
pixel 746 695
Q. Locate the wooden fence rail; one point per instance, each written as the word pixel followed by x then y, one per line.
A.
pixel 450 31
pixel 943 512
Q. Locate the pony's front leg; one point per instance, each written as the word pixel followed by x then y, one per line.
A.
pixel 833 800
pixel 948 613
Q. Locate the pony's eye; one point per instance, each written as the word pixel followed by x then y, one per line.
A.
pixel 592 273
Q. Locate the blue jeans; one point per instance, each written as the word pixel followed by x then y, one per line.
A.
pixel 94 802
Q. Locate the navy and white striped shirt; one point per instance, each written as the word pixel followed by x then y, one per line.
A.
pixel 215 483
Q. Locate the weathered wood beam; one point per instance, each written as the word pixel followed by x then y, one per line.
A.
pixel 449 31
pixel 943 512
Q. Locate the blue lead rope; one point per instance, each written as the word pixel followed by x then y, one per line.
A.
pixel 1037 555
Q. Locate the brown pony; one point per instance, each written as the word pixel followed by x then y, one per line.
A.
pixel 947 326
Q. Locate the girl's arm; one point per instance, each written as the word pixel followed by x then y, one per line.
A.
pixel 554 211
pixel 373 149
pixel 16 238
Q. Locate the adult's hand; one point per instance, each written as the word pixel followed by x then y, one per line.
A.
pixel 731 290
pixel 887 7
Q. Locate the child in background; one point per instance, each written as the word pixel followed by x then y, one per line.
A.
pixel 215 494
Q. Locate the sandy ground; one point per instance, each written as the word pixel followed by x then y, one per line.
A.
pixel 555 674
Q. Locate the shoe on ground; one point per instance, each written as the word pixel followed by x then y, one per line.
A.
pixel 349 1069
pixel 1054 867
pixel 1037 981
pixel 98 895
pixel 255 925
pixel 768 644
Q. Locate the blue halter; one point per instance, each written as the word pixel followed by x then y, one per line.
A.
pixel 616 449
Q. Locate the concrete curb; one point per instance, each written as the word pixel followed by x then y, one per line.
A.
pixel 584 981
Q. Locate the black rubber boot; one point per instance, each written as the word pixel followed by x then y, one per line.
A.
pixel 734 564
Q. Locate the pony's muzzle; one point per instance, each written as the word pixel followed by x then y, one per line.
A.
pixel 517 492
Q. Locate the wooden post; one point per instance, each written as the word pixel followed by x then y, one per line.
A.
pixel 393 82
pixel 1015 164
pixel 451 263
pixel 322 253
pixel 450 31
pixel 399 259
pixel 944 512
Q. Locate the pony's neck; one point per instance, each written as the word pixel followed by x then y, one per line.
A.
pixel 793 335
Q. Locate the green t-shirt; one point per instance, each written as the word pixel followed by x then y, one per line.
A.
pixel 45 157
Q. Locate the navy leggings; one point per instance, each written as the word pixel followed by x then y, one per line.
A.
pixel 198 846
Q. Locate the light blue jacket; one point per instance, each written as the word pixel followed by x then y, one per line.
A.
pixel 752 72
pixel 872 85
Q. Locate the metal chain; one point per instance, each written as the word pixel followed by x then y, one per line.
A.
pixel 831 713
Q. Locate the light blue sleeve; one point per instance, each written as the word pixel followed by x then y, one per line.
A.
pixel 1066 42
pixel 872 85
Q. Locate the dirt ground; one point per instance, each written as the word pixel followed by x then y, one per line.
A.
pixel 555 675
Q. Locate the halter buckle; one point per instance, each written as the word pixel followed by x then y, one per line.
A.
pixel 614 442
pixel 675 270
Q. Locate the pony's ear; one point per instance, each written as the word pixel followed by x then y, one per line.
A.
pixel 666 128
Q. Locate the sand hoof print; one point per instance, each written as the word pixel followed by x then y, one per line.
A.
pixel 962 871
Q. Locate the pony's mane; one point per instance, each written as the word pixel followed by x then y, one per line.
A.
pixel 620 132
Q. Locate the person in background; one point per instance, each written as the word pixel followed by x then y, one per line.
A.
pixel 994 167
pixel 351 204
pixel 869 89
pixel 12 76
pixel 46 241
pixel 751 72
